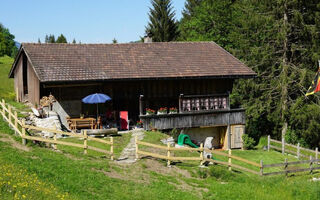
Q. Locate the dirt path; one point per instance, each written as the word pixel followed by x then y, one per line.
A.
pixel 14 143
pixel 128 155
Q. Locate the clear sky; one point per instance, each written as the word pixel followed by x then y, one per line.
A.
pixel 90 21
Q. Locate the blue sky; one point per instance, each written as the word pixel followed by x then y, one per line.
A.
pixel 90 21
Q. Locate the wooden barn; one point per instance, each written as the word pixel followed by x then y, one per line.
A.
pixel 196 78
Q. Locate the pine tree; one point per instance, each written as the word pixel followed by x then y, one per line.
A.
pixel 51 39
pixel 114 41
pixel 61 39
pixel 46 39
pixel 162 26
pixel 74 41
pixel 39 41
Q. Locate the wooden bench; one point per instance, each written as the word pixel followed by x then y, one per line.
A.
pixel 79 123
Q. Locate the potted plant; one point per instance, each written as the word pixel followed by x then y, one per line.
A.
pixel 150 111
pixel 139 124
pixel 162 111
pixel 173 110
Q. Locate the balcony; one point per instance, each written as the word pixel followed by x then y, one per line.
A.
pixel 195 111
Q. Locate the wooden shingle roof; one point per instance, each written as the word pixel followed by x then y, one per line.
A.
pixel 81 62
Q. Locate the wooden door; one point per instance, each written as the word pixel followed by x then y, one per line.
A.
pixel 237 132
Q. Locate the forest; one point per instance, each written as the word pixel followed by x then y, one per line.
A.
pixel 280 41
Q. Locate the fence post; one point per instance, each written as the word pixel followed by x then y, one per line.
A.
pixel 111 147
pixel 282 142
pixel 15 122
pixel 229 159
pixel 24 142
pixel 298 150
pixel 286 166
pixel 317 153
pixel 201 153
pixel 261 167
pixel 3 107
pixel 311 162
pixel 136 141
pixel 268 142
pixel 168 154
pixel 55 139
pixel 85 142
pixel 9 114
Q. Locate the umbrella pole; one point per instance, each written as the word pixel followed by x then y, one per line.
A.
pixel 97 111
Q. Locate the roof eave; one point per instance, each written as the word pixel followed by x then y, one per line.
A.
pixel 246 76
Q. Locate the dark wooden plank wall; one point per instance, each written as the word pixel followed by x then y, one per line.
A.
pixel 193 119
pixel 125 94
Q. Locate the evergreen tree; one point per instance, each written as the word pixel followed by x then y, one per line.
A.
pixel 51 39
pixel 114 41
pixel 74 41
pixel 46 40
pixel 39 41
pixel 162 26
pixel 61 39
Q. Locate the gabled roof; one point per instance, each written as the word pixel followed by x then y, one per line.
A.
pixel 81 62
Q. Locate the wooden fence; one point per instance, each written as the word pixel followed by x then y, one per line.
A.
pixel 298 149
pixel 260 166
pixel 169 157
pixel 286 170
pixel 20 128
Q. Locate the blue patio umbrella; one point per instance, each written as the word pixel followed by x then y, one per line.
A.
pixel 95 99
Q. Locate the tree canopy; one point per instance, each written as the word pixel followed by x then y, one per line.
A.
pixel 61 39
pixel 7 43
pixel 162 26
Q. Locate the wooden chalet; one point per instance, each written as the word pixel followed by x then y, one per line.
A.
pixel 194 77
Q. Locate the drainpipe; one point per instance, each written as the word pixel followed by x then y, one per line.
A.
pixel 141 105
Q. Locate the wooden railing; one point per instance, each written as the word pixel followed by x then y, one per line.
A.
pixel 169 157
pixel 286 170
pixel 298 149
pixel 20 128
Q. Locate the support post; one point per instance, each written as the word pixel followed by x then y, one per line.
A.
pixel 55 139
pixel 229 160
pixel 111 147
pixel 168 154
pixel 201 153
pixel 136 142
pixel 268 142
pixel 3 107
pixel 141 104
pixel 85 142
pixel 283 147
pixel 298 150
pixel 9 114
pixel 24 141
pixel 286 166
pixel 317 154
pixel 229 132
pixel 261 167
pixel 311 162
pixel 180 103
pixel 15 121
pixel 17 94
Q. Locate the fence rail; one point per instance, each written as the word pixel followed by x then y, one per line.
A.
pixel 261 166
pixel 20 128
pixel 297 148
pixel 169 157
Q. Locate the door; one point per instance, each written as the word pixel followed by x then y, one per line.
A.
pixel 237 132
